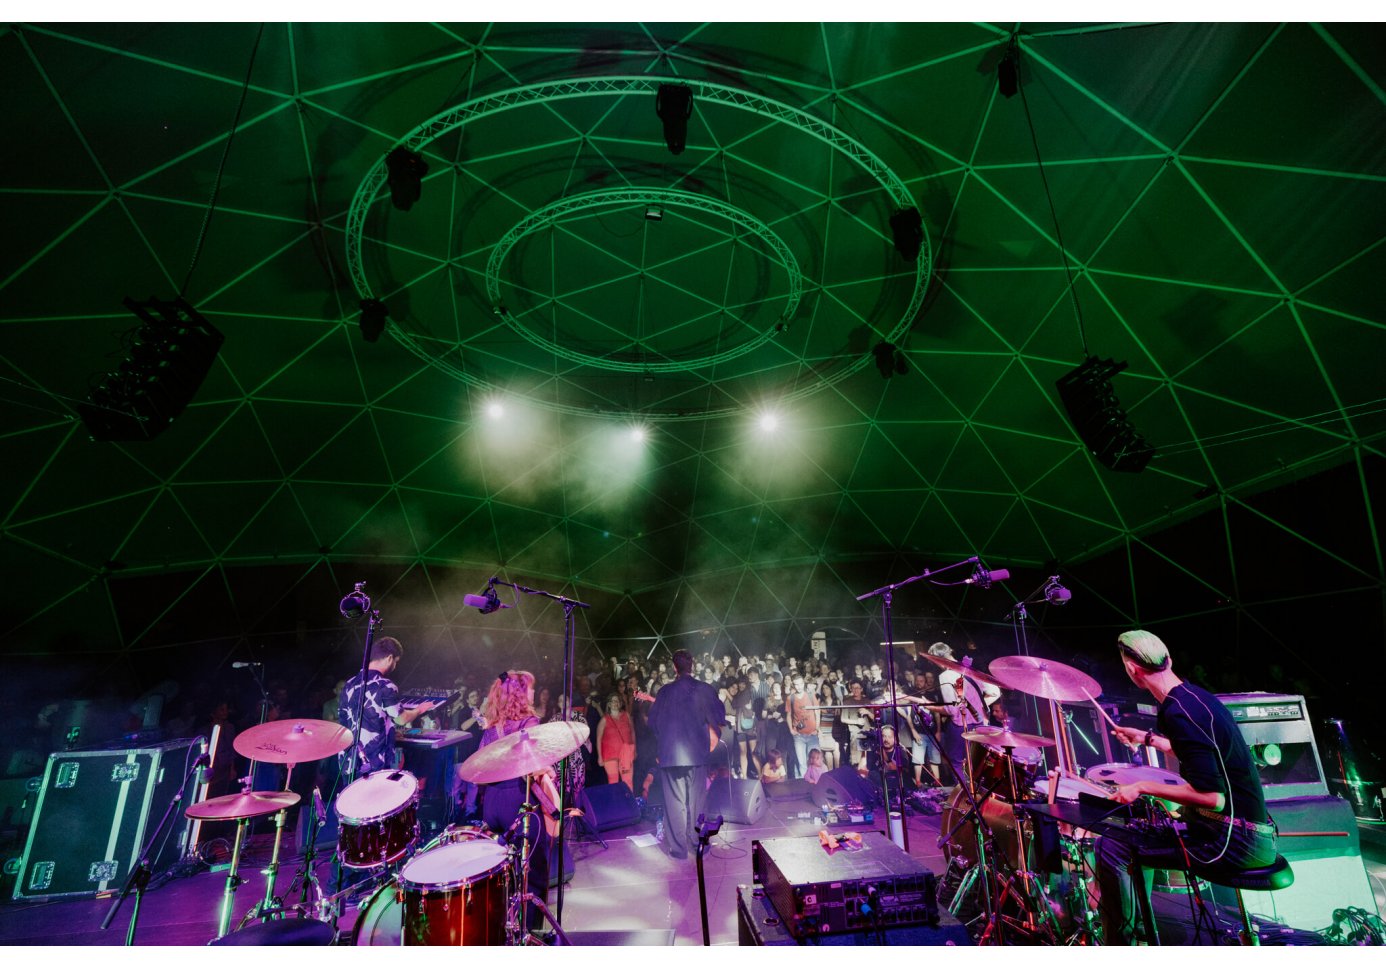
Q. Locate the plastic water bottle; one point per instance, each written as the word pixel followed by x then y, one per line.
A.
pixel 659 829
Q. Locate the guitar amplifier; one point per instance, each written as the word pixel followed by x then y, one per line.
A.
pixel 1281 737
pixel 817 893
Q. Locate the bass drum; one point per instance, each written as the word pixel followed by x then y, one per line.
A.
pixel 999 817
pixel 380 920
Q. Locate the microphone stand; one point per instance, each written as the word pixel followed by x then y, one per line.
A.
pixel 569 644
pixel 1017 617
pixel 362 600
pixel 140 874
pixel 886 593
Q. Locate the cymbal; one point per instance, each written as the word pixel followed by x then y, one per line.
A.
pixel 1045 678
pixel 292 741
pixel 1004 737
pixel 524 752
pixel 976 675
pixel 239 806
pixel 1132 773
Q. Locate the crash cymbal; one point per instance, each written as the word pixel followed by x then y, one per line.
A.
pixel 1004 737
pixel 976 675
pixel 239 806
pixel 292 741
pixel 1045 678
pixel 1132 773
pixel 523 752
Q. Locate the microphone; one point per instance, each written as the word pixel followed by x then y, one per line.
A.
pixel 487 603
pixel 984 576
pixel 356 602
pixel 244 665
pixel 1054 593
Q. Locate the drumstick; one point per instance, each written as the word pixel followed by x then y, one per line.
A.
pixel 1095 703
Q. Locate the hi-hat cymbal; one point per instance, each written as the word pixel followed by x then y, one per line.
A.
pixel 239 806
pixel 524 752
pixel 1004 737
pixel 976 675
pixel 292 741
pixel 1045 678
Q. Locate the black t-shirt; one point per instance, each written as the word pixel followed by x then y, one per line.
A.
pixel 1212 755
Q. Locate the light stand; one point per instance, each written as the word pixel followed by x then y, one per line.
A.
pixel 569 641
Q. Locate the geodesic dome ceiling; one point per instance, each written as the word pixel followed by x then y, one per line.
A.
pixel 1215 193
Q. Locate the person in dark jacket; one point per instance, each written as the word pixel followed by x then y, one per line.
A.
pixel 685 718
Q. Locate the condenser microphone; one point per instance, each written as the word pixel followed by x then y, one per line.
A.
pixel 1054 593
pixel 984 577
pixel 356 602
pixel 487 603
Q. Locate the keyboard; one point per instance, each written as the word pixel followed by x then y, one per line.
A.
pixel 432 739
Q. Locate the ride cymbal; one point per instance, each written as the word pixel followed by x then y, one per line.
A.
pixel 524 752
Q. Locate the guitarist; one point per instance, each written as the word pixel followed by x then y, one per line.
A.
pixel 681 717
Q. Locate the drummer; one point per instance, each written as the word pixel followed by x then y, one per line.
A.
pixel 380 713
pixel 508 708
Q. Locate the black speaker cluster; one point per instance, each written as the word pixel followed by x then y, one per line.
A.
pixel 166 361
pixel 1096 414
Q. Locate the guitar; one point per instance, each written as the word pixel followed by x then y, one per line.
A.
pixel 714 735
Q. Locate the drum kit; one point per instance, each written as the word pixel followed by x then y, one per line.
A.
pixel 989 836
pixel 467 886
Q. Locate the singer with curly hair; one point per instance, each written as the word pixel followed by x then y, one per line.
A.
pixel 509 708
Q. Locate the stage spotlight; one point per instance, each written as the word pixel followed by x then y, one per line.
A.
pixel 373 314
pixel 495 410
pixel 654 213
pixel 674 105
pixel 407 170
pixel 907 228
pixel 1008 71
pixel 769 422
pixel 637 434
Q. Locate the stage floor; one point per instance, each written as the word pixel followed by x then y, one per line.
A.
pixel 622 888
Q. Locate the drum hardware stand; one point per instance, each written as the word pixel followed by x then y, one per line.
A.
pixel 141 872
pixel 233 879
pixel 569 643
pixel 271 906
pixel 1035 906
pixel 307 872
pixel 978 875
pixel 516 917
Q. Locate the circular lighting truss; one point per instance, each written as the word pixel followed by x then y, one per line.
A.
pixel 371 186
pixel 549 214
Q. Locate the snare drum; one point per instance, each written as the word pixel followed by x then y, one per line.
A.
pixel 456 894
pixel 379 818
pixel 1068 789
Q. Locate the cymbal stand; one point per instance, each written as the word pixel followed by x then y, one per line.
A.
pixel 233 879
pixel 353 605
pixel 516 917
pixel 1038 917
